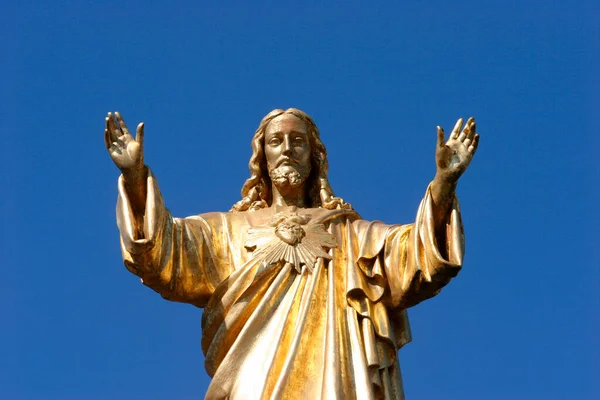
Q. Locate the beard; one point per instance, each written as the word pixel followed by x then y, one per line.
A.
pixel 289 175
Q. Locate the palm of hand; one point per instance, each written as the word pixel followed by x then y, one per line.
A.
pixel 126 152
pixel 454 156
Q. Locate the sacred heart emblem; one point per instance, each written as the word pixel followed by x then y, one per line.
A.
pixel 290 232
pixel 291 238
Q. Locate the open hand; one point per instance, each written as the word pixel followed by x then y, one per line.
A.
pixel 453 157
pixel 126 152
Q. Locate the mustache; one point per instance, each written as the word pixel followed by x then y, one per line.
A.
pixel 286 160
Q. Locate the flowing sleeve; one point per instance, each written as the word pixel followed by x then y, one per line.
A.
pixel 395 267
pixel 417 267
pixel 177 258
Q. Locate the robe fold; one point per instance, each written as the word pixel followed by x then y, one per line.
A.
pixel 332 331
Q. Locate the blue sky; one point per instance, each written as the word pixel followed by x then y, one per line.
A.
pixel 522 319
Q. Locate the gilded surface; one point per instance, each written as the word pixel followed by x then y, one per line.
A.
pixel 302 298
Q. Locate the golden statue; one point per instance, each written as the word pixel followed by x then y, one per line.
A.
pixel 302 298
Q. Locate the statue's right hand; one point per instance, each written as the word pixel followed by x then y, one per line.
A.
pixel 126 152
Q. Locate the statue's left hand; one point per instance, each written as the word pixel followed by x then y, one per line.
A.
pixel 453 157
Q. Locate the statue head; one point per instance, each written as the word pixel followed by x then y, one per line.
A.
pixel 310 170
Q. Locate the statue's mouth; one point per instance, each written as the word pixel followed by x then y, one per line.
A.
pixel 287 161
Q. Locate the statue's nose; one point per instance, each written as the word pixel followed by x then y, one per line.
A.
pixel 287 146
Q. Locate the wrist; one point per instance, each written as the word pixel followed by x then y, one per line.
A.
pixel 135 186
pixel 135 174
pixel 442 188
pixel 444 181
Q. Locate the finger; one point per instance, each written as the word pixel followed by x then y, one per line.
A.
pixel 473 147
pixel 467 131
pixel 472 127
pixel 467 142
pixel 456 130
pixel 111 126
pixel 122 123
pixel 107 140
pixel 441 142
pixel 139 134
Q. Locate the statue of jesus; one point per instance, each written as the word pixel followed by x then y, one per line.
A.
pixel 302 298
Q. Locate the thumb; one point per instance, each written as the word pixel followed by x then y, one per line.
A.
pixel 441 140
pixel 139 134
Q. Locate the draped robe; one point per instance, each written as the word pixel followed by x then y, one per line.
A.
pixel 332 331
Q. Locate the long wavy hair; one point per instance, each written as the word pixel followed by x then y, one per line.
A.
pixel 256 192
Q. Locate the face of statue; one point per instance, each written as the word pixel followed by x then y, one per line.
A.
pixel 287 150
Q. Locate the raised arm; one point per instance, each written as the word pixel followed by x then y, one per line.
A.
pixel 421 258
pixel 173 256
pixel 452 159
pixel 128 155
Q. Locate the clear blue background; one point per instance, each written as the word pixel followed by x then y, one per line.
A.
pixel 522 321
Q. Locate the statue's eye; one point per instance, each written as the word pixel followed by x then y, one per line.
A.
pixel 299 140
pixel 275 141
